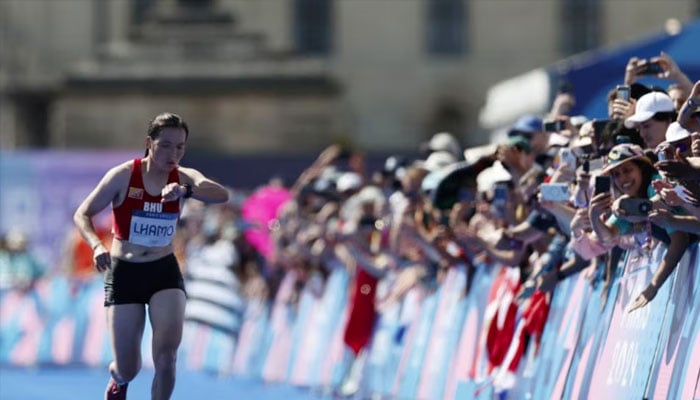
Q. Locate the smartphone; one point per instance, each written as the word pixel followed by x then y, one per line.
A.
pixel 553 126
pixel 652 68
pixel 636 207
pixel 599 126
pixel 622 92
pixel 558 192
pixel 602 184
pixel 367 222
pixel 500 198
pixel 500 194
pixel 566 155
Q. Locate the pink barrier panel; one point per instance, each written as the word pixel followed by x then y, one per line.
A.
pixel 335 362
pixel 307 336
pixel 541 365
pixel 385 351
pixel 594 327
pixel 26 349
pixel 560 337
pixel 677 365
pixel 280 329
pixel 96 349
pixel 406 383
pixel 623 368
pixel 443 338
pixel 247 356
pixel 598 354
pixel 470 360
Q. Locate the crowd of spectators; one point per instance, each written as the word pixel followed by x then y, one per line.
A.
pixel 559 195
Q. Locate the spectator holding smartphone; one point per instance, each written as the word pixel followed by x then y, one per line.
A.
pixel 663 67
pixel 632 173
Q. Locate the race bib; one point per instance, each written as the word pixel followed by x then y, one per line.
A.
pixel 152 229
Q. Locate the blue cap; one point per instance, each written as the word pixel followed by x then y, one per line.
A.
pixel 527 125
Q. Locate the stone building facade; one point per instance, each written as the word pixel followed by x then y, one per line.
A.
pixel 274 76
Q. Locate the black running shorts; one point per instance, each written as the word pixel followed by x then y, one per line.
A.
pixel 136 282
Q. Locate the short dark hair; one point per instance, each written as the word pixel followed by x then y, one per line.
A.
pixel 648 172
pixel 667 116
pixel 166 120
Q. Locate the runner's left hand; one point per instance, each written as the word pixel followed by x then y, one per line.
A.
pixel 172 191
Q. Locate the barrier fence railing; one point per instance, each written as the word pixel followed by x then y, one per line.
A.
pixel 430 345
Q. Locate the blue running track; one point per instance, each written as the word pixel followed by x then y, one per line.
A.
pixel 79 383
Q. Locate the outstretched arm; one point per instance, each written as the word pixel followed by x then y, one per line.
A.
pixel 674 253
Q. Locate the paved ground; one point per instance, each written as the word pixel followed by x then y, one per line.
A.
pixel 89 384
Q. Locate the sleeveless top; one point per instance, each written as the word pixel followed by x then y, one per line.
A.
pixel 142 219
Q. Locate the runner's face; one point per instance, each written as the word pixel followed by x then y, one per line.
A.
pixel 167 150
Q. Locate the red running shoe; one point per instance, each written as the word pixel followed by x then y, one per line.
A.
pixel 115 391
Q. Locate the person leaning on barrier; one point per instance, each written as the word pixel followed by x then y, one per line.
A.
pixel 682 194
pixel 632 174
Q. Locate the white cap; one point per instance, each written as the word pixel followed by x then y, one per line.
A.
pixel 676 132
pixel 437 160
pixel 557 139
pixel 490 176
pixel 648 105
pixel 348 181
pixel 444 141
pixel 578 120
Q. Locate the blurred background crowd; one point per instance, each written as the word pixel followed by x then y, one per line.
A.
pixel 338 157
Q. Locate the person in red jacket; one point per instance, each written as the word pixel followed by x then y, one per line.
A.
pixel 146 195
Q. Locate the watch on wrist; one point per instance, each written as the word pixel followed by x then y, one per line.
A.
pixel 692 104
pixel 188 191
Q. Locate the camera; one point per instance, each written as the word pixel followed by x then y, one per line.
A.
pixel 636 207
pixel 622 92
pixel 651 68
pixel 664 151
pixel 553 126
pixel 367 221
